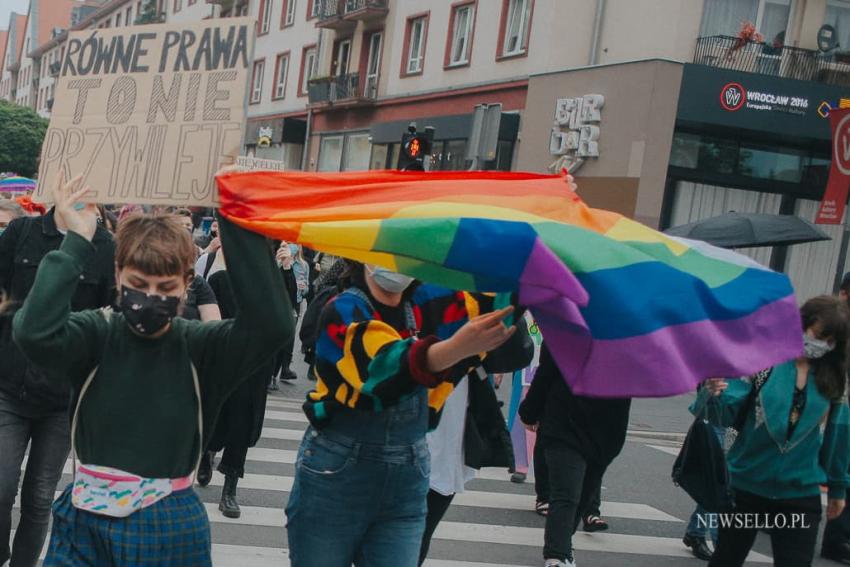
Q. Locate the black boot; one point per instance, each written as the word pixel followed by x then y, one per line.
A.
pixel 228 505
pixel 205 469
pixel 698 547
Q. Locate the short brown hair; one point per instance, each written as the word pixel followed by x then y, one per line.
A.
pixel 155 244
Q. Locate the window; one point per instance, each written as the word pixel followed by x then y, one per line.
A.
pixel 308 66
pixel 178 5
pixel 838 16
pixel 771 17
pixel 118 20
pixel 373 65
pixel 138 8
pixel 516 20
pixel 343 55
pixel 257 81
pixel 281 70
pixel 417 31
pixel 128 16
pixel 357 152
pixel 460 35
pixel 288 12
pixel 330 153
pixel 265 16
pixel 313 8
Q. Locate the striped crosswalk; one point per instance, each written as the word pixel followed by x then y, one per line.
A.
pixel 492 523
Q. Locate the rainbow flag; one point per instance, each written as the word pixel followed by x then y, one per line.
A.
pixel 627 311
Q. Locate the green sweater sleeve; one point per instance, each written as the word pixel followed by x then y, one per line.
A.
pixel 226 352
pixel 45 329
pixel 835 451
pixel 723 410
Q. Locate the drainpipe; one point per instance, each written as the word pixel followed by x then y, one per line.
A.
pixel 305 155
pixel 597 29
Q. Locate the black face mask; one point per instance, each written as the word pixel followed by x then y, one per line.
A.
pixel 147 314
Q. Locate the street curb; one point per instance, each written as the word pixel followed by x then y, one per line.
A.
pixel 659 435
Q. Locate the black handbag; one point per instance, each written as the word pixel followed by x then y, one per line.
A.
pixel 486 439
pixel 700 468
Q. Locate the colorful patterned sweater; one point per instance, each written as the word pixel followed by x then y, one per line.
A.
pixel 366 363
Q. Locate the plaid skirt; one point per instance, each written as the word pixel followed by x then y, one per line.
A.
pixel 173 532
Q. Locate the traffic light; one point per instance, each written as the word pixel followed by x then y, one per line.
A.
pixel 415 147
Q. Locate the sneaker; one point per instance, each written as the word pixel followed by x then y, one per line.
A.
pixel 518 477
pixel 288 375
pixel 559 563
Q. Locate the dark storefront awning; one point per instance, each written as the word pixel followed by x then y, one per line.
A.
pixel 284 131
pixel 453 127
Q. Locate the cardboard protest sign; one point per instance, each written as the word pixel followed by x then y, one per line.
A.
pixel 149 113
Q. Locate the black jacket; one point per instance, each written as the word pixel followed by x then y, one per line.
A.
pixel 22 246
pixel 595 427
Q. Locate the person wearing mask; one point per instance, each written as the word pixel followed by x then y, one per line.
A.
pixel 148 384
pixel 33 398
pixel 361 478
pixel 793 437
pixel 836 535
pixel 579 446
pixel 296 275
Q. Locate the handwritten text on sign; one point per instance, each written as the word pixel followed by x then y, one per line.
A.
pixel 149 113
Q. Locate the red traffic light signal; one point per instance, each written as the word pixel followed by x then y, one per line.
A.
pixel 413 148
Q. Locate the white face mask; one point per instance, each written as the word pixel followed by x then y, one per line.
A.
pixel 389 281
pixel 816 348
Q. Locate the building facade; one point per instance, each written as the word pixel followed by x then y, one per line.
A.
pixel 668 111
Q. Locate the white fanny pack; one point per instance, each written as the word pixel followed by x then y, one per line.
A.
pixel 116 493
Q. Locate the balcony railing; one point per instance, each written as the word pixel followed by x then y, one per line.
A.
pixel 344 14
pixel 342 88
pixel 729 52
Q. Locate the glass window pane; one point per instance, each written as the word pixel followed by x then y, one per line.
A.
pixel 330 153
pixel 774 20
pixel 724 17
pixel 379 156
pixel 838 16
pixel 357 152
pixel 812 267
pixel 764 163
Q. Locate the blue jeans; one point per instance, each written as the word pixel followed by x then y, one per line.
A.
pixel 360 489
pixel 47 434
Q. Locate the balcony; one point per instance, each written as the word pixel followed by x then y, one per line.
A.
pixel 727 52
pixel 345 90
pixel 365 10
pixel 54 69
pixel 343 15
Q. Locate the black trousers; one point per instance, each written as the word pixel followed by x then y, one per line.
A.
pixel 792 547
pixel 541 482
pixel 837 531
pixel 437 506
pixel 574 483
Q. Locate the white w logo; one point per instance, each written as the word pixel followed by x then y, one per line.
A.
pixel 733 97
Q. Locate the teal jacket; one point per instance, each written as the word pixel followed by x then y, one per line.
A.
pixel 763 460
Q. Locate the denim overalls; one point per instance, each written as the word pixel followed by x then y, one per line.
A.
pixel 360 489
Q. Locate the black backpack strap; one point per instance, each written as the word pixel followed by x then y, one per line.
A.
pixel 209 264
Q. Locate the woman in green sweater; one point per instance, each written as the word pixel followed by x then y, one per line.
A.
pixel 135 374
pixel 793 438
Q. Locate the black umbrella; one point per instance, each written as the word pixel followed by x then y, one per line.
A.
pixel 745 230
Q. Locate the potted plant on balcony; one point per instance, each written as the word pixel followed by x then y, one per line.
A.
pixel 319 89
pixel 747 34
